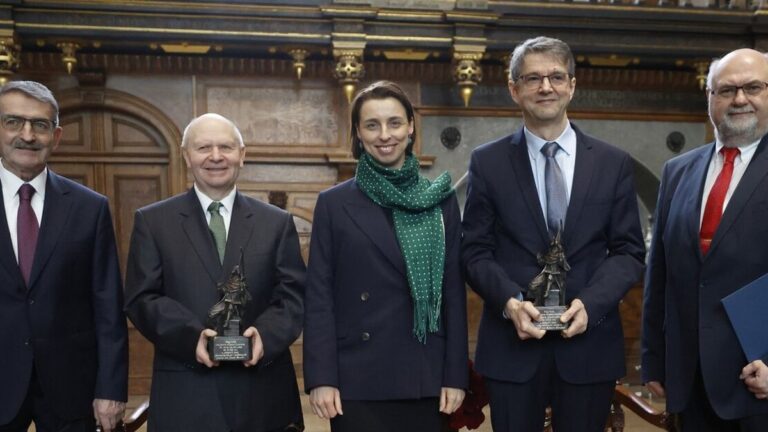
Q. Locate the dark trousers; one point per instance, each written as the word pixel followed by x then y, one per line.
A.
pixel 37 408
pixel 699 416
pixel 520 407
pixel 415 415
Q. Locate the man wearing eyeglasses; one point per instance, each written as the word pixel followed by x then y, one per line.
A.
pixel 544 181
pixel 710 239
pixel 64 361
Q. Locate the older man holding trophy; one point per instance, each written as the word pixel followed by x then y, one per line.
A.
pixel 190 258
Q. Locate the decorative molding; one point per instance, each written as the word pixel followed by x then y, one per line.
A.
pixel 572 114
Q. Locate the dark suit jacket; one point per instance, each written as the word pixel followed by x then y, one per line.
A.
pixel 504 230
pixel 358 329
pixel 173 269
pixel 69 323
pixel 684 322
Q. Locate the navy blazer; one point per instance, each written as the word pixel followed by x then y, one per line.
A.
pixel 504 230
pixel 684 322
pixel 69 323
pixel 171 278
pixel 358 329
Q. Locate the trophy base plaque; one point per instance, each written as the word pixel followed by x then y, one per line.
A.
pixel 231 346
pixel 550 318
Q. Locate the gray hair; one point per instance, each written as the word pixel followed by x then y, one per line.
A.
pixel 36 91
pixel 188 129
pixel 541 45
pixel 711 73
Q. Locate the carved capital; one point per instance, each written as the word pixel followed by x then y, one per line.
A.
pixel 299 56
pixel 68 51
pixel 349 70
pixel 9 58
pixel 467 73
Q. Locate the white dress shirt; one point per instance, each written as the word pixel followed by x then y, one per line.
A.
pixel 740 165
pixel 566 159
pixel 11 184
pixel 225 210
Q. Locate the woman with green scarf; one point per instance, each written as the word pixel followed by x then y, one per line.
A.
pixel 385 330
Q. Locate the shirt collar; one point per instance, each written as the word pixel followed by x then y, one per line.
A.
pixel 11 183
pixel 745 152
pixel 566 140
pixel 227 202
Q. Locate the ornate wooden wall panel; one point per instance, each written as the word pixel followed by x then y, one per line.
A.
pixel 83 173
pixel 280 119
pixel 129 188
pixel 112 149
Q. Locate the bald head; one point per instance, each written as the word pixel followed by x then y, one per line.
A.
pixel 214 152
pixel 744 57
pixel 208 119
pixel 737 97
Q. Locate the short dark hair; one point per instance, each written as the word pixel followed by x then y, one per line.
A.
pixel 35 90
pixel 541 45
pixel 377 90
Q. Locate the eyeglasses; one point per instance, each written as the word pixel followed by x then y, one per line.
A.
pixel 14 123
pixel 535 81
pixel 752 88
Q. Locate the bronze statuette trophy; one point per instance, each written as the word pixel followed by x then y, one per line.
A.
pixel 224 317
pixel 547 289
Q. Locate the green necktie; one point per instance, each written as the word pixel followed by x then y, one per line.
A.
pixel 217 229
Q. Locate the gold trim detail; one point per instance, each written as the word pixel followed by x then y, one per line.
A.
pixel 172 31
pixel 407 55
pixel 185 48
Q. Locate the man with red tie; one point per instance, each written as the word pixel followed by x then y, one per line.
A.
pixel 63 336
pixel 710 239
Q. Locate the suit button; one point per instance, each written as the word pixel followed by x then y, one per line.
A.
pixel 365 336
pixel 27 342
pixel 31 301
pixel 364 296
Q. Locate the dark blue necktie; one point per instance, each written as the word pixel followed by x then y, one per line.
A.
pixel 557 201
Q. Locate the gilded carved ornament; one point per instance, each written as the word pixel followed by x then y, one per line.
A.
pixel 467 73
pixel 9 59
pixel 349 70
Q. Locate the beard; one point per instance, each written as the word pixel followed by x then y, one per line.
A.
pixel 735 133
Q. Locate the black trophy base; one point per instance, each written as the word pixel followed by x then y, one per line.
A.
pixel 550 318
pixel 229 348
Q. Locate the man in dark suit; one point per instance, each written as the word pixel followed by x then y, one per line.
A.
pixel 63 341
pixel 710 239
pixel 180 249
pixel 524 189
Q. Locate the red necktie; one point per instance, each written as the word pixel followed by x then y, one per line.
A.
pixel 26 229
pixel 713 211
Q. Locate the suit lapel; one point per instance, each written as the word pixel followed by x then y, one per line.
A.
pixel 372 221
pixel 523 176
pixel 193 224
pixel 692 186
pixel 582 177
pixel 756 171
pixel 56 210
pixel 7 256
pixel 240 228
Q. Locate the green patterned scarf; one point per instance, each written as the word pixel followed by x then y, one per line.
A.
pixel 415 204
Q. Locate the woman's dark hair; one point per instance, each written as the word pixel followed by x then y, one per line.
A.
pixel 377 90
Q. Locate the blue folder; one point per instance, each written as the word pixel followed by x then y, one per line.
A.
pixel 747 309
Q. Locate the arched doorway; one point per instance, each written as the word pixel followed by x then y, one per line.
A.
pixel 124 148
